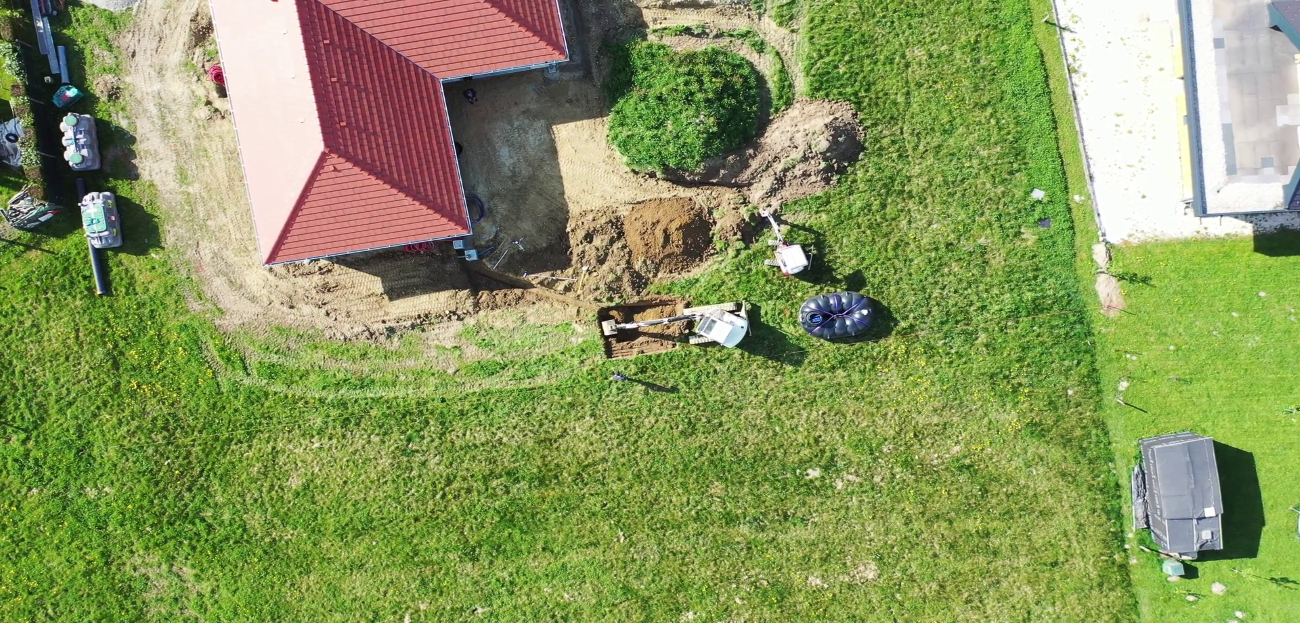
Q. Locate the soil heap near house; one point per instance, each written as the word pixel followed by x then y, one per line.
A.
pixel 617 254
pixel 672 234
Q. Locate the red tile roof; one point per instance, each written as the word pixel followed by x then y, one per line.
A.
pixel 384 171
pixel 453 38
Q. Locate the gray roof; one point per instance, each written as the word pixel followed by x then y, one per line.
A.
pixel 1284 17
pixel 1184 503
pixel 1286 13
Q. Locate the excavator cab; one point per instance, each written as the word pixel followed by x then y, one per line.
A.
pixel 722 327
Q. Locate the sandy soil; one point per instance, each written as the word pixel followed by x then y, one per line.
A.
pixel 672 234
pixel 1108 288
pixel 535 152
pixel 657 339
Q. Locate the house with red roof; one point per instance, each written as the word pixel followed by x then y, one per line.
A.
pixel 340 114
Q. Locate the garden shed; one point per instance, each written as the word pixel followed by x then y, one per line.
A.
pixel 1176 493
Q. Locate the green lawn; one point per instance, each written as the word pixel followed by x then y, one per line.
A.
pixel 1208 345
pixel 954 469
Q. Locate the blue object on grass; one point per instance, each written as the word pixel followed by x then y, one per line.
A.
pixel 837 315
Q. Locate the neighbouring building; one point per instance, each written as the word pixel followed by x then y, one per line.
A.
pixel 1176 493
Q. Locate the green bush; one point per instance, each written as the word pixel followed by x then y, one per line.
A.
pixel 678 109
pixel 15 76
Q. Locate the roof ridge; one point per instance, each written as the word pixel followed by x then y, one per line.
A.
pixel 334 147
pixel 320 169
pixel 560 47
pixel 297 205
pixel 517 20
pixel 399 188
pixel 373 36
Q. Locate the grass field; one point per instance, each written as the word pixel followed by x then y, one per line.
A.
pixel 1208 346
pixel 955 468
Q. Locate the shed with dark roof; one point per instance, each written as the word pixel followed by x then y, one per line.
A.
pixel 1176 493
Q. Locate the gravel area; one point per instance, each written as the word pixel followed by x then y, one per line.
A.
pixel 1125 75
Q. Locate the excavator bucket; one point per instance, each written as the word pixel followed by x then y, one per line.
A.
pixel 621 344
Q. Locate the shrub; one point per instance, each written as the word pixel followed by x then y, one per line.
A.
pixel 678 109
pixel 11 63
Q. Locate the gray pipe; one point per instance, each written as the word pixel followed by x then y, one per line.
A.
pixel 101 271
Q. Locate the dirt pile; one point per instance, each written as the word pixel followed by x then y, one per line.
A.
pixel 800 154
pixel 619 253
pixel 602 261
pixel 670 235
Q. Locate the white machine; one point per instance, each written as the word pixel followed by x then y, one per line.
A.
pixel 726 323
pixel 790 258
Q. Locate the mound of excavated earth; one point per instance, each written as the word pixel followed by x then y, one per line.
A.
pixel 800 154
pixel 616 257
pixel 671 234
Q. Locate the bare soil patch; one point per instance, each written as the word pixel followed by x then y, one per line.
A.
pixel 647 340
pixel 671 234
pixel 1111 295
pixel 620 251
pixel 1108 287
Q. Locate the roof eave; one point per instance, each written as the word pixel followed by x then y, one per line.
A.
pixel 366 250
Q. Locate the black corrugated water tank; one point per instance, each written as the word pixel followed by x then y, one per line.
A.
pixel 837 315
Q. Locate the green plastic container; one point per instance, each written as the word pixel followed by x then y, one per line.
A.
pixel 67 95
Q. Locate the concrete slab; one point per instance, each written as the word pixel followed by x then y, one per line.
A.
pixel 1126 67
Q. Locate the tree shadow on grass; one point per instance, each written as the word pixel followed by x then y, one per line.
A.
pixel 1243 504
pixel 24 245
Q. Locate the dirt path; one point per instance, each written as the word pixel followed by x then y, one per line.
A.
pixel 722 15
